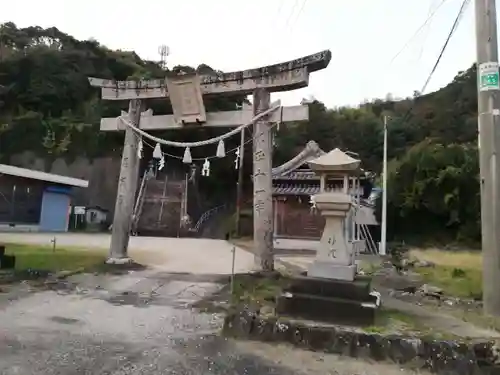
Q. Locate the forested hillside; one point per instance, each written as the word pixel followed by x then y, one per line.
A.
pixel 47 106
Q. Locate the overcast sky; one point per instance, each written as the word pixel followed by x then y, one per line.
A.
pixel 363 35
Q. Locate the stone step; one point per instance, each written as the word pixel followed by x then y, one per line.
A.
pixel 325 309
pixel 357 290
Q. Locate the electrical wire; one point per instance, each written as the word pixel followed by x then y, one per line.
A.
pixel 297 17
pixel 426 33
pixel 431 13
pixel 454 27
pixel 280 7
pixel 428 19
pixel 291 14
pixel 461 11
pixel 266 47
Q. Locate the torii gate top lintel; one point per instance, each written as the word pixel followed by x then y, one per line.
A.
pixel 312 63
pixel 285 76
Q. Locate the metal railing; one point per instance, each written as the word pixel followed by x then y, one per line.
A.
pixel 139 203
pixel 207 215
pixel 370 246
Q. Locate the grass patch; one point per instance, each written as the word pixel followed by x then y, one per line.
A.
pixel 458 273
pixel 390 321
pixel 258 290
pixel 253 290
pixel 455 259
pixel 44 258
pixel 455 282
pixel 369 268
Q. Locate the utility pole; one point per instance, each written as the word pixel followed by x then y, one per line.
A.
pixel 383 235
pixel 489 142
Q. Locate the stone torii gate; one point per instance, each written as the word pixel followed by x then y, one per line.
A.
pixel 186 95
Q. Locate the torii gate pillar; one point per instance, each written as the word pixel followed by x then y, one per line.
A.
pixel 262 184
pixel 127 186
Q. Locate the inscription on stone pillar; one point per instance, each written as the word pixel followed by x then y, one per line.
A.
pixel 262 184
pixel 259 205
pixel 332 251
pixel 259 155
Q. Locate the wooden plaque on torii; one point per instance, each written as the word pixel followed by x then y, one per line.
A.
pixel 186 98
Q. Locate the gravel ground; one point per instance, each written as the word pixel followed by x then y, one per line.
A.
pixel 141 323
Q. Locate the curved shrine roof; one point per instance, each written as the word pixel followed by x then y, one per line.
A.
pixel 288 170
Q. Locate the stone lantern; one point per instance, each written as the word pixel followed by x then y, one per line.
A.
pixel 332 291
pixel 335 258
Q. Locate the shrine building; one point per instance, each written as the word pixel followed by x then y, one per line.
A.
pixel 293 185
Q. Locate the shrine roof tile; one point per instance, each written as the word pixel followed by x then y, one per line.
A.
pixel 295 189
pixel 303 189
pixel 304 175
pixel 298 175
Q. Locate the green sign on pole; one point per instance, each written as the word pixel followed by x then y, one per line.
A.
pixel 489 76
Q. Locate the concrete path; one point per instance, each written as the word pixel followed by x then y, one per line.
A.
pixel 292 245
pixel 170 254
pixel 142 323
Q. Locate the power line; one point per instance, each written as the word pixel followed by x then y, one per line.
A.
pixel 298 13
pixel 428 19
pixel 287 25
pixel 280 7
pixel 291 13
pixel 430 16
pixel 426 33
pixel 265 48
pixel 461 11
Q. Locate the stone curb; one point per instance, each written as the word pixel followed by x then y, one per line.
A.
pixel 65 274
pixel 289 266
pixel 441 357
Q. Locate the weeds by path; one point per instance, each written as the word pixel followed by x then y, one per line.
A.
pixel 35 262
pixel 458 273
pixel 45 258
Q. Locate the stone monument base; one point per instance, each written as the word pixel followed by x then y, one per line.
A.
pixel 331 301
pixel 330 270
pixel 119 261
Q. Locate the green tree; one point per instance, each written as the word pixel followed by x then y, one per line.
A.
pixel 433 193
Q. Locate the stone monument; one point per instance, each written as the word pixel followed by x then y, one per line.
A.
pixel 332 291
